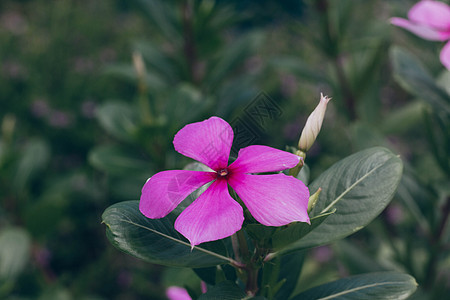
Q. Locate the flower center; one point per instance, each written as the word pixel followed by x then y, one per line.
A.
pixel 223 172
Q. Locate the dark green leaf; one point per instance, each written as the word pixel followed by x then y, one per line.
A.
pixel 226 290
pixel 296 231
pixel 385 285
pixel 290 267
pixel 232 57
pixel 359 187
pixel 298 68
pixel 119 161
pixel 414 78
pixel 156 241
pixel 34 158
pixel 118 119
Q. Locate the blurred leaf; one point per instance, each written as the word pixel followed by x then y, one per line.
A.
pixel 152 79
pixel 157 60
pixel 365 136
pixel 359 187
pixel 296 231
pixel 414 78
pixel 405 118
pixel 356 259
pixel 444 80
pixel 42 216
pixel 119 161
pixel 156 241
pixel 163 15
pixel 385 285
pixel 232 56
pixel 185 104
pixel 33 159
pixel 15 246
pixel 298 68
pixel 225 290
pixel 118 119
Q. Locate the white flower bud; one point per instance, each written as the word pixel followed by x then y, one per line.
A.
pixel 313 124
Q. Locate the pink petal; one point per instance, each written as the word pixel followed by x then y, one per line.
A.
pixel 445 56
pixel 434 14
pixel 422 31
pixel 165 190
pixel 177 293
pixel 273 200
pixel 258 159
pixel 212 216
pixel 208 142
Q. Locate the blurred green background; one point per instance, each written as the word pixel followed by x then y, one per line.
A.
pixel 92 93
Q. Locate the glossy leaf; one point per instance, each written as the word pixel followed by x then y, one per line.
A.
pixel 296 231
pixel 383 285
pixel 157 241
pixel 359 187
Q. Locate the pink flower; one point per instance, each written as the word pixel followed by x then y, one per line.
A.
pixel 429 20
pixel 273 200
pixel 177 293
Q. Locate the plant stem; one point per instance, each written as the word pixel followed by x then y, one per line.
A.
pixel 436 247
pixel 332 50
pixel 190 51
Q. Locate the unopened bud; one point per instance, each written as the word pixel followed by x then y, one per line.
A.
pixel 313 124
pixel 313 200
pixel 139 65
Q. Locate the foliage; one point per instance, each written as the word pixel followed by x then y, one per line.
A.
pixel 92 92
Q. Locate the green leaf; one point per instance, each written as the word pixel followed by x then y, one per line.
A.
pixel 299 68
pixel 118 119
pixel 119 161
pixel 226 290
pixel 14 252
pixel 359 187
pixel 383 285
pixel 156 241
pixel 290 267
pixel 296 231
pixel 414 78
pixel 34 158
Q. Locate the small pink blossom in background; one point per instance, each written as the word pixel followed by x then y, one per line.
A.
pixel 40 108
pixel 14 22
pixel 59 119
pixel 14 70
pixel 88 109
pixel 177 293
pixel 429 20
pixel 322 254
pixel 273 200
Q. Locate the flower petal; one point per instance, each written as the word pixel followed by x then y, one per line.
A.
pixel 422 31
pixel 273 200
pixel 177 293
pixel 208 142
pixel 445 56
pixel 165 190
pixel 431 13
pixel 212 216
pixel 257 159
